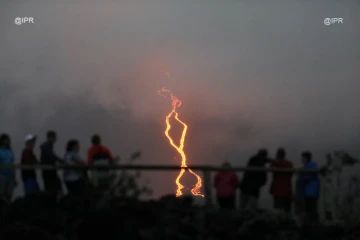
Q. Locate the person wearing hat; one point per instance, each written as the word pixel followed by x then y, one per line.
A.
pixel 28 157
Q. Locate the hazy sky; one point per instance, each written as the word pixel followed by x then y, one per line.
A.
pixel 250 74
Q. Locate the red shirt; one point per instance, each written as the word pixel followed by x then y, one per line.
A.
pixel 28 157
pixel 226 183
pixel 282 185
pixel 99 151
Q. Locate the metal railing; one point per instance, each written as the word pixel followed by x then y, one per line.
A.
pixel 206 170
pixel 152 167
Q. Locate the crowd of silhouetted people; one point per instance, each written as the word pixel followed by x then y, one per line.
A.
pixel 76 180
pixel 304 196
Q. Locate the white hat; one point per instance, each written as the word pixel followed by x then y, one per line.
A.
pixel 29 137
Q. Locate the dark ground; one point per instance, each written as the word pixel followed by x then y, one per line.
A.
pixel 75 218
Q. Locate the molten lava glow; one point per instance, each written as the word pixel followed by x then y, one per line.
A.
pixel 177 103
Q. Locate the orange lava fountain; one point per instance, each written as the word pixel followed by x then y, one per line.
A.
pixel 177 103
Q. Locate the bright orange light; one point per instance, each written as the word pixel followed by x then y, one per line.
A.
pixel 177 103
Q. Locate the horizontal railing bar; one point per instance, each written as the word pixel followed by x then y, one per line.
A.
pixel 152 168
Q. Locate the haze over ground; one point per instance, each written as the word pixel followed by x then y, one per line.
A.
pixel 250 74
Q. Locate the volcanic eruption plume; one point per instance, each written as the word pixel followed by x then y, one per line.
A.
pixel 177 103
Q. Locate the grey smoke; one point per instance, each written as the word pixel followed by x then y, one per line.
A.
pixel 250 74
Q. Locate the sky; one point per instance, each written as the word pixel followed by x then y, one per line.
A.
pixel 250 74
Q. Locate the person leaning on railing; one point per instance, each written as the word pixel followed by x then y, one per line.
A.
pixel 100 155
pixel 28 157
pixel 253 181
pixel 74 179
pixel 48 156
pixel 281 185
pixel 311 188
pixel 225 183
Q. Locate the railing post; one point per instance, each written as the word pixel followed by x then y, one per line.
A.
pixel 207 188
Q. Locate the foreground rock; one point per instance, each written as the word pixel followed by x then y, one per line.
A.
pixel 40 217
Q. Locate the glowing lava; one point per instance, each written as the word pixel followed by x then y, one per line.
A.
pixel 177 103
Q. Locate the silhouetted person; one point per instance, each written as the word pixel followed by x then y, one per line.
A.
pixel 311 185
pixel 281 187
pixel 253 181
pixel 7 176
pixel 51 179
pixel 28 158
pixel 100 155
pixel 328 185
pixel 74 179
pixel 226 183
pixel 299 205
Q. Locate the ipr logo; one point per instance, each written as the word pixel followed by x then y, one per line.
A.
pixel 329 21
pixel 21 20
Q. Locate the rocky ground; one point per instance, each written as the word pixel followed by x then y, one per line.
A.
pixel 40 217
